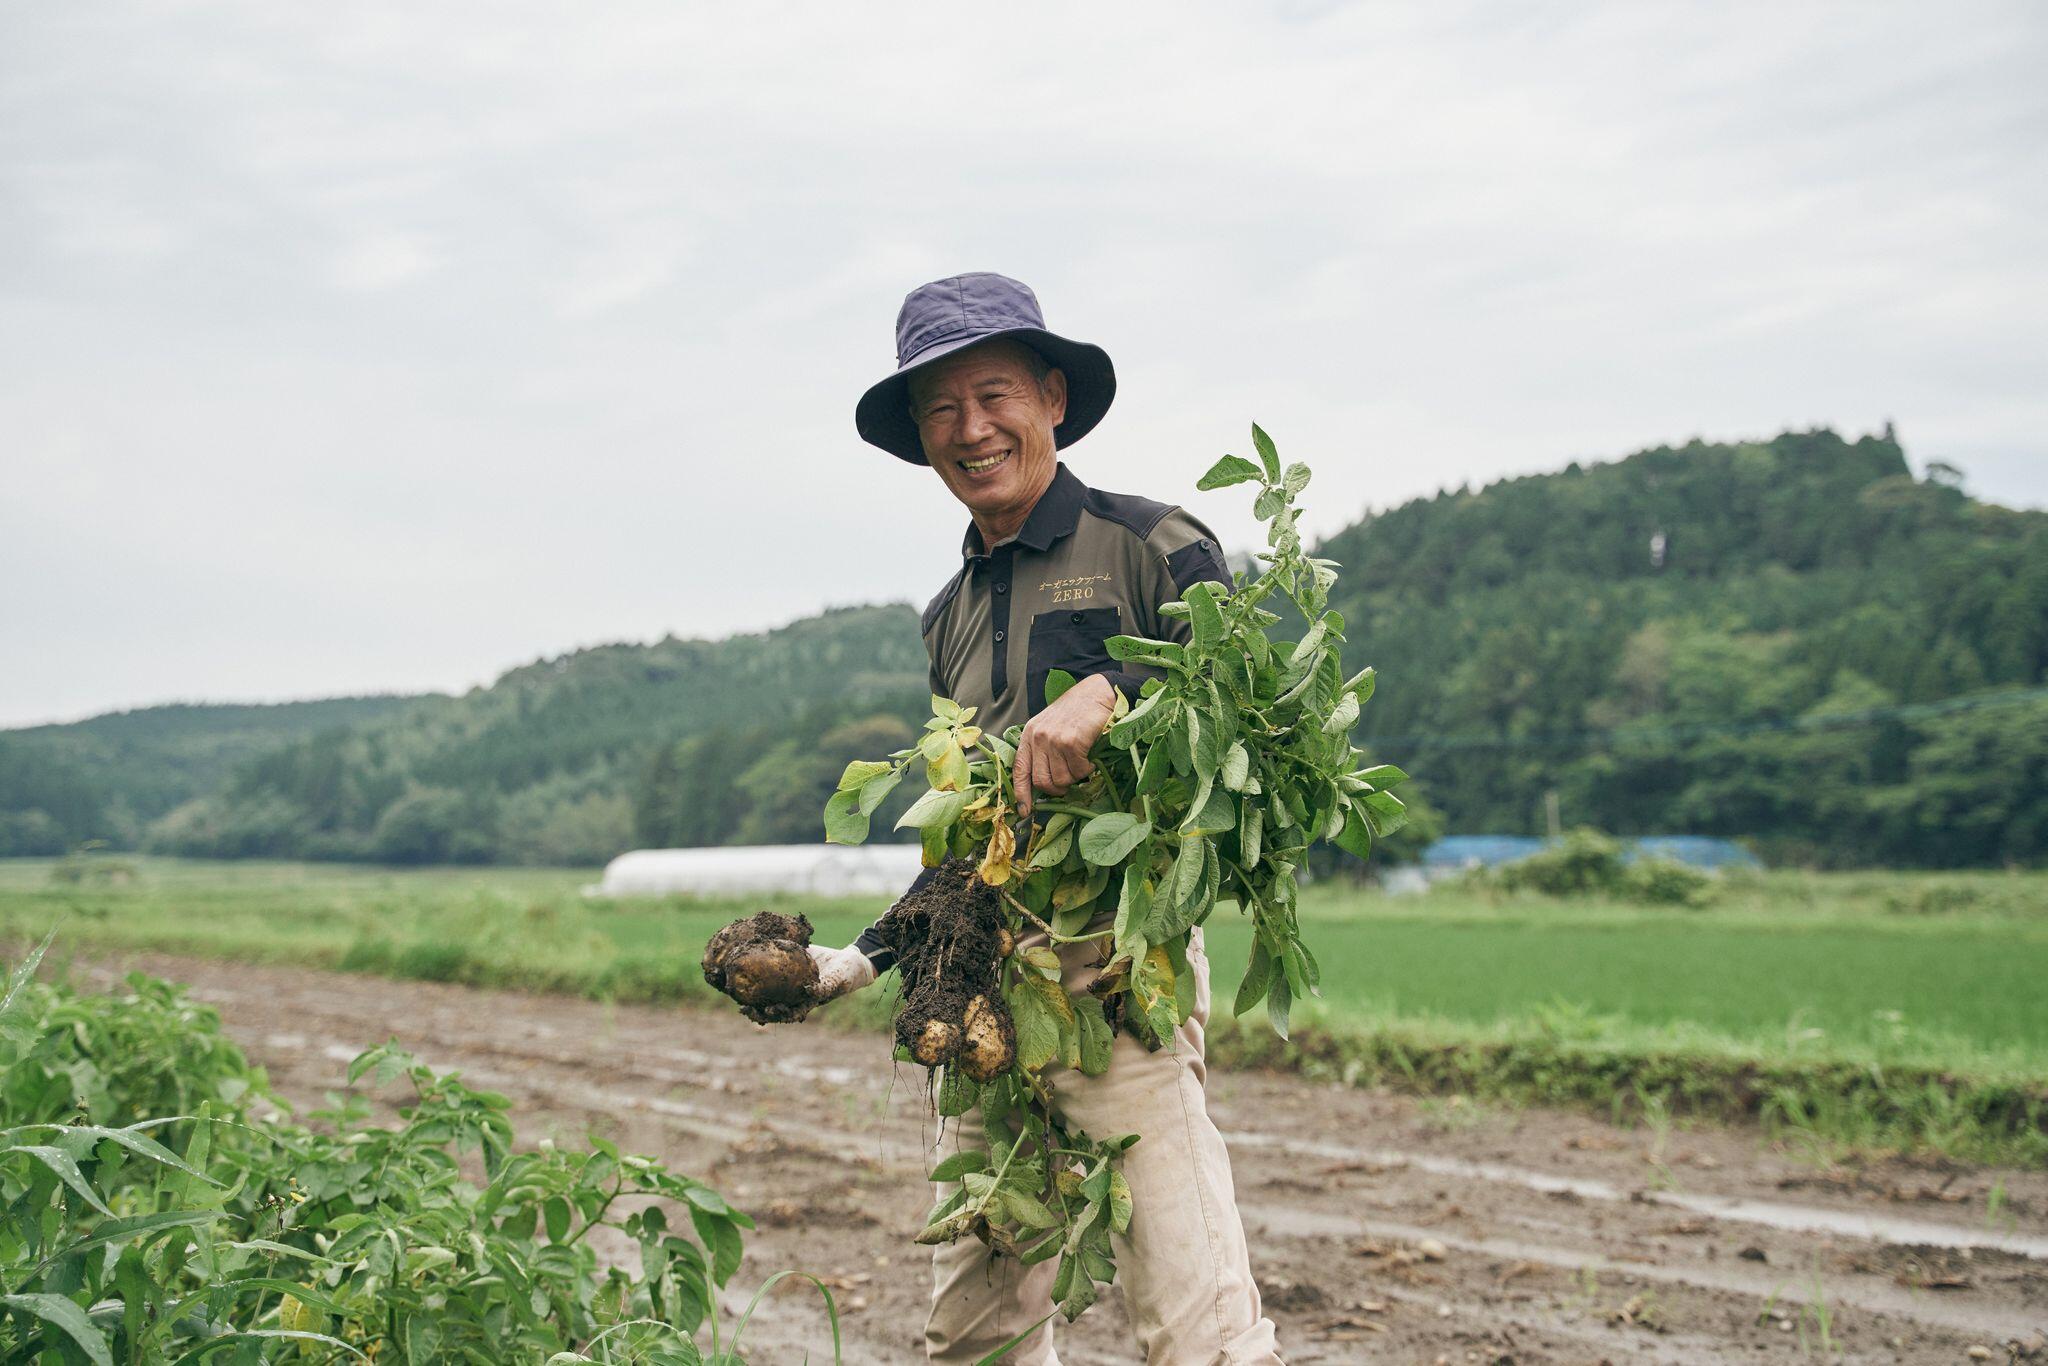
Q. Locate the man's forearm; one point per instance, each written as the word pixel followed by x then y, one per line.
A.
pixel 873 943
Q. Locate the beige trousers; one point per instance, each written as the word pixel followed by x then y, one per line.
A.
pixel 1184 1268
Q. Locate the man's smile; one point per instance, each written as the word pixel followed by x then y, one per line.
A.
pixel 982 464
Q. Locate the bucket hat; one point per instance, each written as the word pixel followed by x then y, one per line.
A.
pixel 950 314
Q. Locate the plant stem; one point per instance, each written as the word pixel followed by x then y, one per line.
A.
pixel 1050 933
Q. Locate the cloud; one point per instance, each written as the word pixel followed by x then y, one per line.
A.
pixel 379 262
pixel 473 330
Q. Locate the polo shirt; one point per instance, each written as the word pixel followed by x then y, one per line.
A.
pixel 1085 566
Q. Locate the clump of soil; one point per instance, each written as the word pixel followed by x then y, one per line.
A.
pixel 762 963
pixel 950 940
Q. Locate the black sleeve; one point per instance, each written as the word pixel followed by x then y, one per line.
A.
pixel 1195 562
pixel 870 941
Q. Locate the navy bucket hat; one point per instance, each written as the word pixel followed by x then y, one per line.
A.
pixel 954 313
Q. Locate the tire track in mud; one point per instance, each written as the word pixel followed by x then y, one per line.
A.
pixel 1530 1236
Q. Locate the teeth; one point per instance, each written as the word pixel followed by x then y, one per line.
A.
pixel 977 466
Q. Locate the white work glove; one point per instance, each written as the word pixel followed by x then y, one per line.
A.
pixel 840 971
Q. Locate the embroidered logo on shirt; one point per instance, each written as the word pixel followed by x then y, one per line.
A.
pixel 1074 589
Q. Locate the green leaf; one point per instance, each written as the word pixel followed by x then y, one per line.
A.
pixel 62 1314
pixel 1133 904
pixel 1383 775
pixel 1254 984
pixel 1027 1211
pixel 953 1166
pixel 1231 469
pixel 1187 868
pixel 1278 1001
pixel 1038 1029
pixel 1295 479
pixel 1386 812
pixel 108 1231
pixel 1107 839
pixel 1237 766
pixel 1097 1042
pixel 877 789
pixel 1057 681
pixel 1143 651
pixel 1269 455
pixel 1250 827
pixel 554 1213
pixel 1205 616
pixel 1078 1297
pixel 845 822
pixel 1054 844
pixel 933 811
pixel 1268 503
pixel 1355 837
pixel 1216 814
pixel 1343 717
pixel 61 1162
pixel 250 1336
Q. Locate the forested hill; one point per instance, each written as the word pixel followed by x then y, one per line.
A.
pixel 1763 640
pixel 110 776
pixel 1724 639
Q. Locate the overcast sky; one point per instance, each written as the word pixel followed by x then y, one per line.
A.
pixel 385 346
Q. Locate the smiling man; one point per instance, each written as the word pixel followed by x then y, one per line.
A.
pixel 1052 568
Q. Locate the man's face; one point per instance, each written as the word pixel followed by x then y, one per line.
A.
pixel 986 423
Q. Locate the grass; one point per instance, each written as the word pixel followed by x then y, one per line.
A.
pixel 1894 1011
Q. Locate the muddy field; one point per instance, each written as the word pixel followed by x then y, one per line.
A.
pixel 1382 1228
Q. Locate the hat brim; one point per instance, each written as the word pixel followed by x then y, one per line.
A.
pixel 883 414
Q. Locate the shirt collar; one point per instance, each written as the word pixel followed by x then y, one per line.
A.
pixel 1056 513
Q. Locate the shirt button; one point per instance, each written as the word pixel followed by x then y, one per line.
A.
pixel 1076 618
pixel 1203 543
pixel 1002 588
pixel 999 637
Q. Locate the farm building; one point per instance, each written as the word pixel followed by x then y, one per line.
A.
pixel 811 869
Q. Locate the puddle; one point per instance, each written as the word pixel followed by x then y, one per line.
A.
pixel 1765 1213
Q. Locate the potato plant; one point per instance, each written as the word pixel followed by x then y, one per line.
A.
pixel 223 1232
pixel 1211 788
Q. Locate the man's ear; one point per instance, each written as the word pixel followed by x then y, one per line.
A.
pixel 1055 386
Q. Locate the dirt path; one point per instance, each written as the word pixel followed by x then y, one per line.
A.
pixel 1383 1228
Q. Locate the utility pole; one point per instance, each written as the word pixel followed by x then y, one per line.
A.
pixel 1550 813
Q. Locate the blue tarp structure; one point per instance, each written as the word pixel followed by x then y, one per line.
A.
pixel 1455 852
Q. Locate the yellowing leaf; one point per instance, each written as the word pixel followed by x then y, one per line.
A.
pixel 948 771
pixel 995 864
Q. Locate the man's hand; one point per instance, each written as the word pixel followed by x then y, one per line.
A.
pixel 840 970
pixel 1052 753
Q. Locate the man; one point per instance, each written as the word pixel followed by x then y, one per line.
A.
pixel 985 396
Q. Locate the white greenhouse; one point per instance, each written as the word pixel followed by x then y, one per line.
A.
pixel 814 869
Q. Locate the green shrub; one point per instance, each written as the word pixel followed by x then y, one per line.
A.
pixel 1589 863
pixel 127 1236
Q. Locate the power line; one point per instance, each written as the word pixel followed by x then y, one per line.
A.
pixel 1912 711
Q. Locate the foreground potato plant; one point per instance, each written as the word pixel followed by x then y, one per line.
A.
pixel 153 1209
pixel 1211 788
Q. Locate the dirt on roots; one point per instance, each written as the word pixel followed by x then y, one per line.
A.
pixel 948 934
pixel 1383 1228
pixel 763 963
